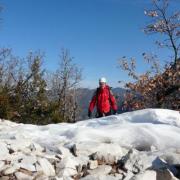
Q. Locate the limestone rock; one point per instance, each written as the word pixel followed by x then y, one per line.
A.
pixel 22 176
pixel 147 175
pixel 67 167
pixel 4 152
pixel 101 170
pixel 165 175
pixel 93 164
pixel 47 168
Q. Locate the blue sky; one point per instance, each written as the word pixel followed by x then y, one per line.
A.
pixel 97 33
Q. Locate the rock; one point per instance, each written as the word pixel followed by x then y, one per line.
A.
pixel 73 150
pixel 129 175
pixel 147 175
pixel 21 145
pixel 101 170
pixel 29 167
pixel 67 167
pixel 165 175
pixel 22 176
pixel 10 170
pixel 42 177
pixel 171 158
pixel 103 158
pixel 64 152
pixel 35 147
pixel 132 161
pixel 28 162
pixel 159 163
pixel 100 177
pixel 92 164
pixel 66 178
pixel 2 163
pixel 81 160
pixel 47 168
pixel 4 151
pixel 38 167
pixel 103 149
pixel 119 176
pixel 4 177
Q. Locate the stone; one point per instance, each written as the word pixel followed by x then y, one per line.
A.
pixel 4 152
pixel 29 167
pixel 101 170
pixel 165 175
pixel 10 170
pixel 100 177
pixel 147 175
pixel 103 158
pixel 64 152
pixel 2 163
pixel 67 167
pixel 129 175
pixel 132 161
pixel 119 176
pixel 159 163
pixel 4 177
pixel 47 168
pixel 93 164
pixel 22 176
pixel 35 147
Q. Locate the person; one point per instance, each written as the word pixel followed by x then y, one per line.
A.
pixel 103 99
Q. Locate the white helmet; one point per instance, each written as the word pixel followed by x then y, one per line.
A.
pixel 102 80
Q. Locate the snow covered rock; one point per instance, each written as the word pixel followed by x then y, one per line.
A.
pixel 46 166
pixel 132 161
pixel 67 167
pixel 93 164
pixel 101 170
pixel 165 175
pixel 100 177
pixel 4 152
pixel 22 176
pixel 2 163
pixel 147 175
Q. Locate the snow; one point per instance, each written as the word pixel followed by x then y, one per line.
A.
pixel 158 128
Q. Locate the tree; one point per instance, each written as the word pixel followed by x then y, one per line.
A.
pixel 35 101
pixel 65 83
pixel 165 23
pixel 156 87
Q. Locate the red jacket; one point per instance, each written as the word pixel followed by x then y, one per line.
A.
pixel 104 100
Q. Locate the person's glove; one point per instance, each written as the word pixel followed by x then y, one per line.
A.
pixel 114 112
pixel 89 114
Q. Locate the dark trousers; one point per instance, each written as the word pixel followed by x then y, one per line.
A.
pixel 100 114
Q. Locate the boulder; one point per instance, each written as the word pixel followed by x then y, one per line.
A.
pixel 22 176
pixel 4 152
pixel 93 164
pixel 67 167
pixel 147 175
pixel 46 166
pixel 165 175
pixel 101 170
pixel 132 161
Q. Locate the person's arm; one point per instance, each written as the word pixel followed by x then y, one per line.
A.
pixel 113 102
